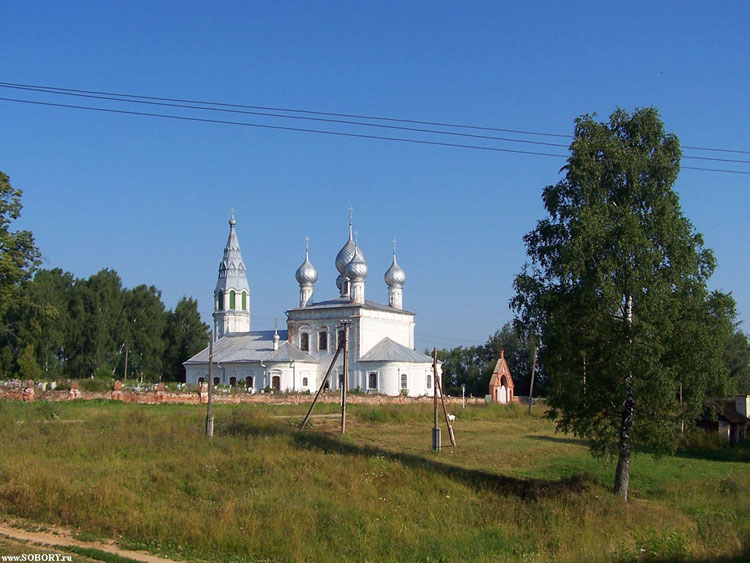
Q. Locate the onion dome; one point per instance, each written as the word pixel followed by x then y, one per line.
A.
pixel 306 273
pixel 394 276
pixel 346 253
pixel 357 269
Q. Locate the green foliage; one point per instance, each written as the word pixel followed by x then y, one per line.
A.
pixel 27 366
pixel 185 335
pixel 83 327
pixel 18 254
pixel 737 361
pixel 617 290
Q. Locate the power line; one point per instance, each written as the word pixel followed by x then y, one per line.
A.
pixel 183 104
pixel 318 131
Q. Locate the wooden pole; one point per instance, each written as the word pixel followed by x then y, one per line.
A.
pixel 345 386
pixel 435 428
pixel 125 372
pixel 320 389
pixel 445 412
pixel 209 416
pixel 533 373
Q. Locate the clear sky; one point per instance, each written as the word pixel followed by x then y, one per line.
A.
pixel 150 198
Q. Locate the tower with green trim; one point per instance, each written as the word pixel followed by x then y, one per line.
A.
pixel 232 292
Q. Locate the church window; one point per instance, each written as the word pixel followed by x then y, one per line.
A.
pixel 249 381
pixel 372 380
pixel 201 380
pixel 304 342
pixel 216 380
pixel 219 300
pixel 341 338
pixel 231 299
pixel 232 381
pixel 346 287
pixel 322 341
pixel 304 382
pixel 429 380
pixel 341 380
pixel 403 381
pixel 244 301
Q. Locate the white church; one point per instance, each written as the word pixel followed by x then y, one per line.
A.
pixel 382 358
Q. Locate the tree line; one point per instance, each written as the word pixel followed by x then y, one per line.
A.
pixel 63 326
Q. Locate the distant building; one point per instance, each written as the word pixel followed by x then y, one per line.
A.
pixel 501 382
pixel 729 418
pixel 382 358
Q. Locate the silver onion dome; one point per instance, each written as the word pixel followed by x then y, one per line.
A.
pixel 394 276
pixel 357 268
pixel 345 255
pixel 306 273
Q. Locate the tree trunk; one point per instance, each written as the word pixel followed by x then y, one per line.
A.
pixel 622 473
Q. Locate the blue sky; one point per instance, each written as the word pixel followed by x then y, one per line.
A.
pixel 150 198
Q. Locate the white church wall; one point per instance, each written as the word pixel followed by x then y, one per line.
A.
pixel 376 325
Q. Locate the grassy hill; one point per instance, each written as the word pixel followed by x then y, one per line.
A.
pixel 512 490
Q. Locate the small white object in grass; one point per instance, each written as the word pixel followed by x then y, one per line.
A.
pixel 451 417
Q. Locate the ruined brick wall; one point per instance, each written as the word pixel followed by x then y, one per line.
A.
pixel 162 396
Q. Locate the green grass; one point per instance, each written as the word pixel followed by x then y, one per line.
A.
pixel 512 490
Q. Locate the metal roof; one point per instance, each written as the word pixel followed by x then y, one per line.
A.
pixel 255 346
pixel 341 302
pixel 388 350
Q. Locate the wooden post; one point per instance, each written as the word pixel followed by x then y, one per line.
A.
pixel 345 386
pixel 125 373
pixel 445 411
pixel 209 416
pixel 435 428
pixel 320 389
pixel 533 372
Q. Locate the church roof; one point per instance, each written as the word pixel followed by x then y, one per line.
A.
pixel 288 352
pixel 340 302
pixel 255 346
pixel 388 350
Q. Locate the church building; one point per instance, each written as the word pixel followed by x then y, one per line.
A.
pixel 382 358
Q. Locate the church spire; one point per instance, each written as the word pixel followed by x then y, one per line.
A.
pixel 232 292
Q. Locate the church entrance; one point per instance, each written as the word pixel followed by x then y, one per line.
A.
pixel 276 383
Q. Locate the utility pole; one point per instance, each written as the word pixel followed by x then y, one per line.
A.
pixel 125 372
pixel 345 386
pixel 533 372
pixel 209 416
pixel 322 384
pixel 445 410
pixel 435 428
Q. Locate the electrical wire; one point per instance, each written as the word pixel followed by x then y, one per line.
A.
pixel 167 103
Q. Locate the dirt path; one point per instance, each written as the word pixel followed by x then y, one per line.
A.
pixel 65 539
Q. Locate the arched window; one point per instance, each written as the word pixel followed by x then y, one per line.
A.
pixel 244 301
pixel 216 380
pixel 372 380
pixel 231 299
pixel 341 380
pixel 219 300
pixel 340 339
pixel 429 380
pixel 304 342
pixel 232 381
pixel 201 380
pixel 346 288
pixel 249 381
pixel 322 341
pixel 403 381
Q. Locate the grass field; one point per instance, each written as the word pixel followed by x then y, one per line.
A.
pixel 513 489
